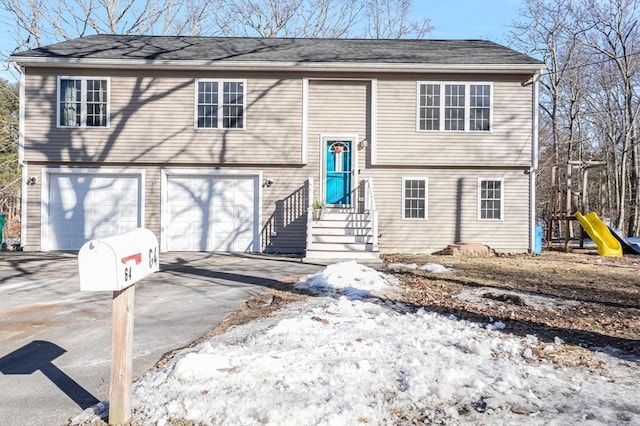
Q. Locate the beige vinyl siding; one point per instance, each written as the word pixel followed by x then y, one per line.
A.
pixel 152 121
pixel 32 240
pixel 284 211
pixel 336 108
pixel 152 191
pixel 453 211
pixel 508 143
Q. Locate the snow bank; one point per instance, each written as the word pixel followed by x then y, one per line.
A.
pixel 350 279
pixel 340 360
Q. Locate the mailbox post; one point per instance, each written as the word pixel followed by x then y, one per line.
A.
pixel 115 264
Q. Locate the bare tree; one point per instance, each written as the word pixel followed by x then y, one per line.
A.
pixel 9 168
pixel 28 19
pixel 547 30
pixel 330 18
pixel 391 19
pixel 590 95
pixel 262 18
pixel 321 18
pixel 193 17
pixel 612 32
pixel 38 22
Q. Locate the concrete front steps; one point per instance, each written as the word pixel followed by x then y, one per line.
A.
pixel 342 235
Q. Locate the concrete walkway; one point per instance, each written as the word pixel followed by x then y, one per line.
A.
pixel 55 341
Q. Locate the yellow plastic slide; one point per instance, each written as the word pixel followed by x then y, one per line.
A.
pixel 607 244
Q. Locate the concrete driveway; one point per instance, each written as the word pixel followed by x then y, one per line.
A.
pixel 55 341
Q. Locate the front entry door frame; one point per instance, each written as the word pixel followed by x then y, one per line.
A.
pixel 324 139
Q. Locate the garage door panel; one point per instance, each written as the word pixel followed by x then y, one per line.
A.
pixel 180 212
pixel 220 211
pixel 182 198
pixel 244 188
pixel 243 244
pixel 223 228
pixel 179 228
pixel 105 212
pixel 181 243
pixel 225 200
pixel 223 213
pixel 242 213
pixel 128 215
pixel 88 205
pixel 105 228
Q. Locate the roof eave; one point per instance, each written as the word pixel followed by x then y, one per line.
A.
pixel 270 65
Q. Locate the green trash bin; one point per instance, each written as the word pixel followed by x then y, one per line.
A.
pixel 2 218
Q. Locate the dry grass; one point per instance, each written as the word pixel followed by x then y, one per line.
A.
pixel 585 300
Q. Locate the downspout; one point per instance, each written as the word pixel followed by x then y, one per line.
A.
pixel 534 163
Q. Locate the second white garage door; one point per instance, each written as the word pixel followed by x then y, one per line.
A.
pixel 211 213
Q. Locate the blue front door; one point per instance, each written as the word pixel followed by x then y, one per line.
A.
pixel 338 172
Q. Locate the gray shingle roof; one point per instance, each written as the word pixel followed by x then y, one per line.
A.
pixel 296 50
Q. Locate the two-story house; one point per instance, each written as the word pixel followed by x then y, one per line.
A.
pixel 223 144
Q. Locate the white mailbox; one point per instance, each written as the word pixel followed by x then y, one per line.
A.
pixel 115 263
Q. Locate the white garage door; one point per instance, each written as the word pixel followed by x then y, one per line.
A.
pixel 85 206
pixel 211 213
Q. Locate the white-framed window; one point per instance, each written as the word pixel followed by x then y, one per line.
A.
pixel 454 106
pixel 429 107
pixel 83 102
pixel 480 107
pixel 490 199
pixel 415 198
pixel 220 104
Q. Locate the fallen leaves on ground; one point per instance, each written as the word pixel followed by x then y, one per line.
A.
pixel 593 302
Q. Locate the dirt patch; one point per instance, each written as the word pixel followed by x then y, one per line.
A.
pixel 572 301
pixel 27 310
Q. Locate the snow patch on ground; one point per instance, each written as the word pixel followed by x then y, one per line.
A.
pixel 338 359
pixel 540 302
pixel 434 268
pixel 350 279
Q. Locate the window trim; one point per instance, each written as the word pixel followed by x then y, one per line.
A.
pixel 83 101
pixel 467 105
pixel 502 196
pixel 426 198
pixel 220 82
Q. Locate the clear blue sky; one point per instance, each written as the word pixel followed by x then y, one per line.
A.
pixel 470 19
pixel 457 19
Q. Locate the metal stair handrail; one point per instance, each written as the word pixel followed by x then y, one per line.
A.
pixel 309 211
pixel 370 207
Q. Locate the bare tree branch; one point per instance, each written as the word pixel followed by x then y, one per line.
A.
pixel 391 19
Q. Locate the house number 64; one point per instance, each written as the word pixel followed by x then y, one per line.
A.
pixel 153 256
